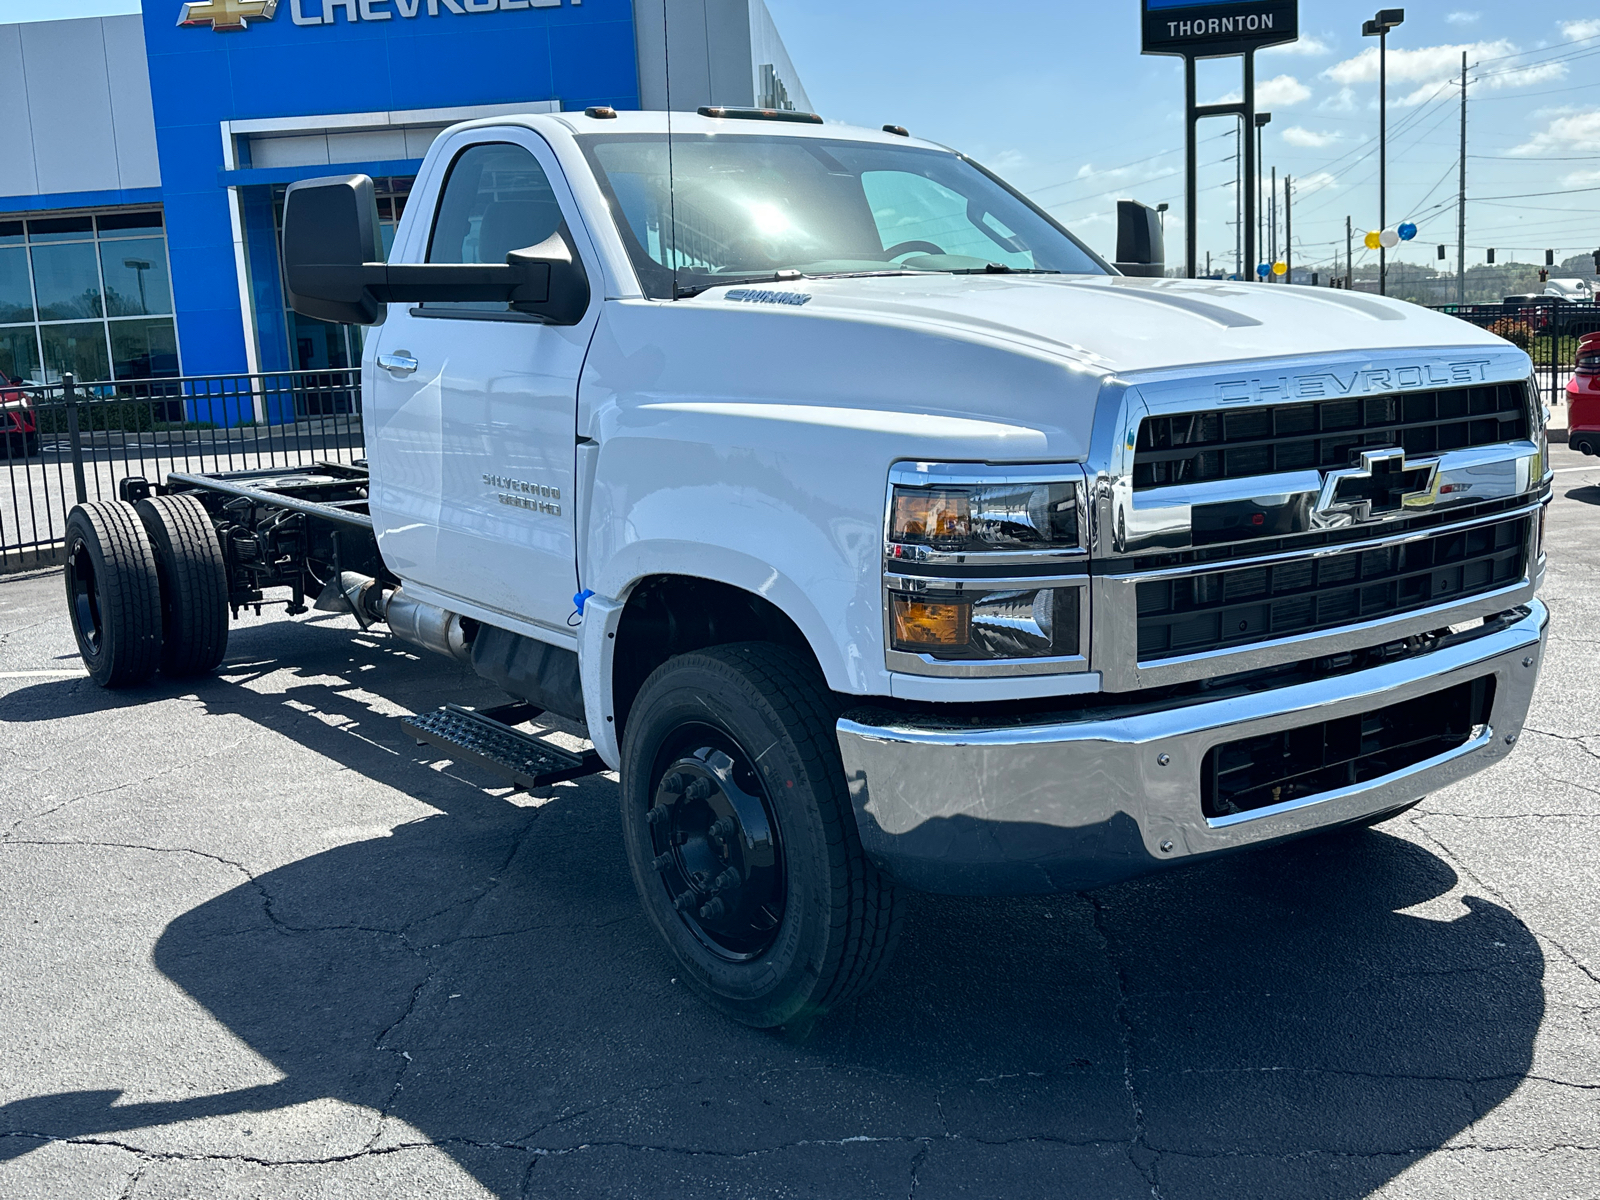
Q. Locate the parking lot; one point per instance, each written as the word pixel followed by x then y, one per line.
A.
pixel 256 943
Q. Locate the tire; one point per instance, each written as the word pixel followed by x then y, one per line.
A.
pixel 808 922
pixel 113 593
pixel 194 584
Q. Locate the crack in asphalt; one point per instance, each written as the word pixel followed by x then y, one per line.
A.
pixel 1125 1036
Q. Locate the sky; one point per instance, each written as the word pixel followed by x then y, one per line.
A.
pixel 1056 98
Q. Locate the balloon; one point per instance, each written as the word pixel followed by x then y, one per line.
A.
pixel 1280 268
pixel 1388 238
pixel 1407 231
pixel 1372 240
pixel 1263 270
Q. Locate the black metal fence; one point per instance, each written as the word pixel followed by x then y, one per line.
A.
pixel 1549 333
pixel 67 442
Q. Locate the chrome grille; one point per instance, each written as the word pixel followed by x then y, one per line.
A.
pixel 1215 610
pixel 1324 434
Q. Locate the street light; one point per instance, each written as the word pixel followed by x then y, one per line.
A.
pixel 1161 211
pixel 1379 27
pixel 141 266
pixel 1262 119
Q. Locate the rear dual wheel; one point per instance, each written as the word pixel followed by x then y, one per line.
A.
pixel 741 839
pixel 147 589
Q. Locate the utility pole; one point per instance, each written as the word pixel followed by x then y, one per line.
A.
pixel 1272 228
pixel 1349 256
pixel 1379 26
pixel 1288 229
pixel 1262 120
pixel 1461 202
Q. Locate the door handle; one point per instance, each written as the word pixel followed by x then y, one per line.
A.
pixel 400 364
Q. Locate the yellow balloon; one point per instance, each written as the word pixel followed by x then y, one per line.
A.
pixel 1371 240
pixel 1280 268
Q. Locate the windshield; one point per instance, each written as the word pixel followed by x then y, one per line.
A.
pixel 749 206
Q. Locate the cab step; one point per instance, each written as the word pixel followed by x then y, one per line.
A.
pixel 486 739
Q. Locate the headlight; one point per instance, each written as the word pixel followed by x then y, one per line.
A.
pixel 974 518
pixel 963 625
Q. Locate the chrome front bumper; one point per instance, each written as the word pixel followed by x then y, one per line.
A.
pixel 1080 803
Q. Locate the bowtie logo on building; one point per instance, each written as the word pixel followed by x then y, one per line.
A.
pixel 225 15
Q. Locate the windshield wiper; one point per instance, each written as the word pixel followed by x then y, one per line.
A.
pixel 684 293
pixel 1001 269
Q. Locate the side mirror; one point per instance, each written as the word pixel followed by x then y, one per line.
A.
pixel 334 268
pixel 1141 244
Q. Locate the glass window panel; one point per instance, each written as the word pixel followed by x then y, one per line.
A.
pixel 61 229
pixel 67 281
pixel 19 355
pixel 144 349
pixel 496 200
pixel 125 224
pixel 16 295
pixel 136 277
pixel 10 233
pixel 80 349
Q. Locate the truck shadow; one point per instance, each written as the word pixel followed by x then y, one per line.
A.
pixel 484 980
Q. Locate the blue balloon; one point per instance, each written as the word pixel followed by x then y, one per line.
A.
pixel 1264 270
pixel 1407 231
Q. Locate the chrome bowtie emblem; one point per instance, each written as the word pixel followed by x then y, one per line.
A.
pixel 225 15
pixel 1384 484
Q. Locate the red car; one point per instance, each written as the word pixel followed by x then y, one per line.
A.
pixel 17 423
pixel 1583 398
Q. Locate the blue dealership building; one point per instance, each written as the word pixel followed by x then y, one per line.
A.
pixel 143 159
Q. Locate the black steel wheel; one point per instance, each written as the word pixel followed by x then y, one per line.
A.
pixel 194 584
pixel 113 593
pixel 742 841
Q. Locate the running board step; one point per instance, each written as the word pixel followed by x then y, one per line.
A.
pixel 480 739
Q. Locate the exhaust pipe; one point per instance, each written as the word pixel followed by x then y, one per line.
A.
pixel 421 624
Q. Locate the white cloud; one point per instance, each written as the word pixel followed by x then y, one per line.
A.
pixel 1306 184
pixel 1297 135
pixel 1571 131
pixel 1432 67
pixel 1580 179
pixel 1463 18
pixel 1576 30
pixel 1308 46
pixel 1281 91
pixel 1344 100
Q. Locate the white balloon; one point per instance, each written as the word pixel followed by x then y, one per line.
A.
pixel 1388 238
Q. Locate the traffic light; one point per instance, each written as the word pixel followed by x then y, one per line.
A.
pixel 1491 258
pixel 1441 253
pixel 1549 258
pixel 1597 262
pixel 1544 275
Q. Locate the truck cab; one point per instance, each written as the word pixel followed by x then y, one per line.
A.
pixel 883 536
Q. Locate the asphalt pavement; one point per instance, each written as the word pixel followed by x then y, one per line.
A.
pixel 256 943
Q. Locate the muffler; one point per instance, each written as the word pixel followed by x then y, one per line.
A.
pixel 414 621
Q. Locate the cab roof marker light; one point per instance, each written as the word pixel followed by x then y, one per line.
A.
pixel 897 130
pixel 758 114
pixel 601 112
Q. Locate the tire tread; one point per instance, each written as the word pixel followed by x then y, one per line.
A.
pixel 194 582
pixel 129 592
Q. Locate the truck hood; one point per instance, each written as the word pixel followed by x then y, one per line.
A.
pixel 1123 325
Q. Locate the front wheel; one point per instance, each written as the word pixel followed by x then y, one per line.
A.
pixel 741 838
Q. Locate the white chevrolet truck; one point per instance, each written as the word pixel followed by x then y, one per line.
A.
pixel 879 534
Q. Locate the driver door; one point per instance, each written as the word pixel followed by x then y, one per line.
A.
pixel 474 447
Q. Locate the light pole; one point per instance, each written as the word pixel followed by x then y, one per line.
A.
pixel 1262 120
pixel 141 266
pixel 1385 20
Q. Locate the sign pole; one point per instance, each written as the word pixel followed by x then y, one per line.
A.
pixel 1191 182
pixel 1251 166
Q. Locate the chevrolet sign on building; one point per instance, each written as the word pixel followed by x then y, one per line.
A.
pixel 1213 28
pixel 139 216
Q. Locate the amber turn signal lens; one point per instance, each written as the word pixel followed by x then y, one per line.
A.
pixel 923 624
pixel 930 517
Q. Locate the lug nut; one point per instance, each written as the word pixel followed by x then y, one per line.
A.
pixel 722 829
pixel 672 783
pixel 728 879
pixel 712 910
pixel 661 862
pixel 685 902
pixel 1166 847
pixel 1164 759
pixel 698 789
pixel 656 815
